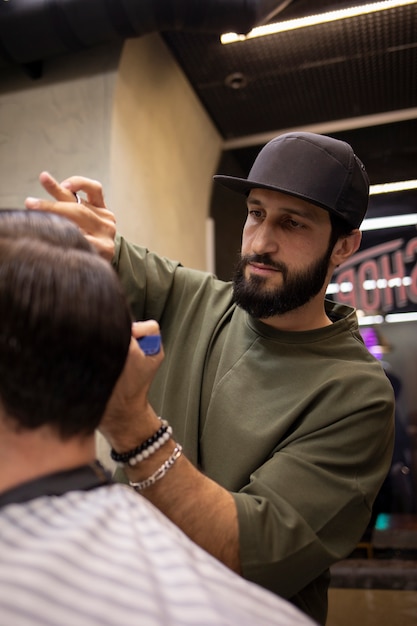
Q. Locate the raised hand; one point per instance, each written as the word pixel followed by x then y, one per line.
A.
pixel 89 213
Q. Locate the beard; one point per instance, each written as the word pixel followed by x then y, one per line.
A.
pixel 297 288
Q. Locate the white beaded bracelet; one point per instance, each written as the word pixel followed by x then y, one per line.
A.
pixel 160 472
pixel 145 449
pixel 141 456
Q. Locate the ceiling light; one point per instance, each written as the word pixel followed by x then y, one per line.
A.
pixel 314 20
pixel 368 320
pixel 391 221
pixel 390 318
pixel 401 317
pixel 402 185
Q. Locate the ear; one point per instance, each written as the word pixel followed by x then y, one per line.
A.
pixel 346 246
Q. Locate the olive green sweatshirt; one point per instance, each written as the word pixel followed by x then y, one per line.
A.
pixel 297 425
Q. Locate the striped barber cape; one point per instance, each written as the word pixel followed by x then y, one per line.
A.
pixel 108 557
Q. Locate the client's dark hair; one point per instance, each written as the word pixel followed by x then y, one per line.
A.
pixel 65 325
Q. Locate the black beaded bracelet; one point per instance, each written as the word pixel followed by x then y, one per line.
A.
pixel 145 449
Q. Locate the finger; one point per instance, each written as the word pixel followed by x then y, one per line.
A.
pixel 148 338
pixel 70 186
pixel 92 188
pixel 148 327
pixel 104 245
pixel 66 209
pixel 54 189
pixel 89 219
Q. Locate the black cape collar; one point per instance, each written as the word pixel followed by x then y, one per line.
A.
pixel 82 478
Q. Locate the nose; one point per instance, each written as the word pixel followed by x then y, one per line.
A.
pixel 264 239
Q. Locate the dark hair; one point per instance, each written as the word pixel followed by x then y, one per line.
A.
pixel 47 227
pixel 65 325
pixel 340 228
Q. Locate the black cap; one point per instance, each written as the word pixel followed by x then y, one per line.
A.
pixel 317 168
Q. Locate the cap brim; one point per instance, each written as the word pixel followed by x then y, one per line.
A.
pixel 241 185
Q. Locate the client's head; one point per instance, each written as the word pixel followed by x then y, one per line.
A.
pixel 65 326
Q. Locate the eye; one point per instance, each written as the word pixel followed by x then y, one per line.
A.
pixel 255 213
pixel 293 224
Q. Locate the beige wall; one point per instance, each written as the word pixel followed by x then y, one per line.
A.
pixel 164 152
pixel 60 122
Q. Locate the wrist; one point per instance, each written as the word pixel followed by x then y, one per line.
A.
pixel 125 432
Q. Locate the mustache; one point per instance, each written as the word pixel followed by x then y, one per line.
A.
pixel 263 259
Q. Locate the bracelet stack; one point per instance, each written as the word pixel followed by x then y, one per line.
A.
pixel 145 449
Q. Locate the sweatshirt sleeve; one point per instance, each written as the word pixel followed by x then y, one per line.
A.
pixel 146 277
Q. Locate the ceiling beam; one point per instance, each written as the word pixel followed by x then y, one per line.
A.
pixel 332 126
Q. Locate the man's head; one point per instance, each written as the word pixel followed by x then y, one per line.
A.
pixel 306 193
pixel 65 325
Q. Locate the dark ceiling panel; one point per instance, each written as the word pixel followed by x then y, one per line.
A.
pixel 355 67
pixel 340 73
